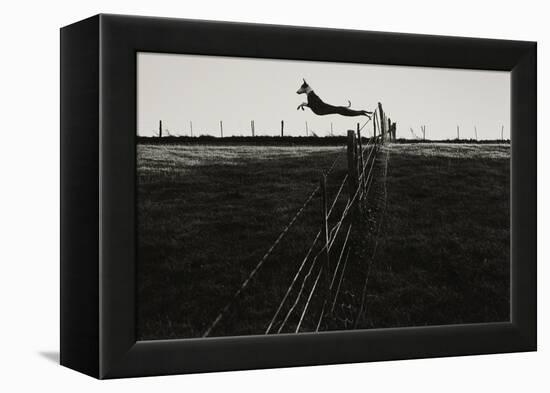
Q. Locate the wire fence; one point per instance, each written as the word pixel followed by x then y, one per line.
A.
pixel 315 287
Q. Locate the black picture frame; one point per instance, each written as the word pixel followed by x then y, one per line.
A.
pixel 98 163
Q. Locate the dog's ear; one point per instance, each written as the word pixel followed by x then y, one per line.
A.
pixel 304 81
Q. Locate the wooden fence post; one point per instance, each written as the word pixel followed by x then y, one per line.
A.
pixel 282 128
pixel 362 181
pixel 191 128
pixel 457 132
pixel 324 223
pixel 252 126
pixel 475 131
pixel 382 122
pixel 502 133
pixel 352 168
pixel 160 128
pixel 374 125
pixel 221 128
pixel 307 130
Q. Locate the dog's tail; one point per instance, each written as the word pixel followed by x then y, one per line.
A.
pixel 362 112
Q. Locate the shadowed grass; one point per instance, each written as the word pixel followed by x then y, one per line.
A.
pixel 443 256
pixel 208 213
pixel 206 216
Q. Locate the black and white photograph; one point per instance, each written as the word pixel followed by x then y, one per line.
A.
pixel 283 197
pixel 295 196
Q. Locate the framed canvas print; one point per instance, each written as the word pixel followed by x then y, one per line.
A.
pixel 238 196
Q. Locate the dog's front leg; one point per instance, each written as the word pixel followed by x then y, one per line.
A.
pixel 301 106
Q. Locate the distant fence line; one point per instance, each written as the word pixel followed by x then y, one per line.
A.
pixel 383 124
pixel 474 137
pixel 326 259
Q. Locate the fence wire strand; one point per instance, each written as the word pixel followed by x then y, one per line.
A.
pixel 334 276
pixel 260 263
pixel 294 280
pixel 333 234
pixel 297 300
pixel 375 248
pixel 309 300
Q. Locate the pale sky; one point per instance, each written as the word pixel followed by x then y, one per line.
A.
pixel 178 89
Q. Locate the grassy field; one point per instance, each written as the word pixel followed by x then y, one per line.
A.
pixel 206 216
pixel 443 254
pixel 208 213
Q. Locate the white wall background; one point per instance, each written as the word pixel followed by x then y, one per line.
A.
pixel 29 202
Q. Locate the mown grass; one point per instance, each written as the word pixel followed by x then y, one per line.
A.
pixel 443 254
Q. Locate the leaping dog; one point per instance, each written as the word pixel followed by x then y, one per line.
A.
pixel 321 108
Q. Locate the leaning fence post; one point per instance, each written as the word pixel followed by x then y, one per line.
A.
pixel 382 122
pixel 374 126
pixel 324 223
pixel 352 169
pixel 361 167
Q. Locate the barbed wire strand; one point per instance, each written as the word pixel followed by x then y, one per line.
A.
pixel 309 299
pixel 370 118
pixel 338 226
pixel 278 240
pixel 294 280
pixel 289 313
pixel 364 292
pixel 260 263
pixel 340 155
pixel 334 275
pixel 340 281
pixel 337 195
pixel 340 257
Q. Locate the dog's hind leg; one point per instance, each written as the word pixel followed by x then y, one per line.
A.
pixel 344 111
pixel 367 113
